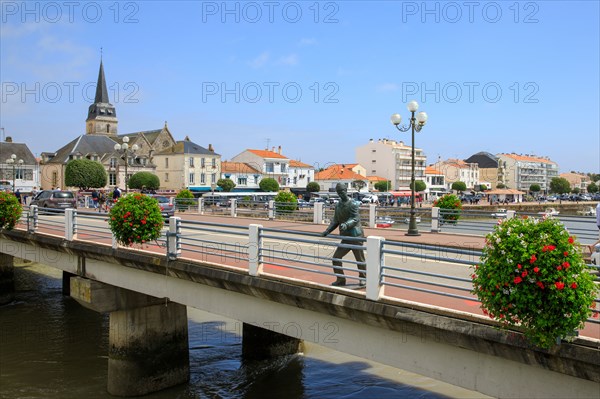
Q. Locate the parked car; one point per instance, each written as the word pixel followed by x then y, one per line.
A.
pixel 303 204
pixel 588 211
pixel 549 212
pixel 407 219
pixel 167 208
pixel 500 213
pixel 384 222
pixel 55 199
pixel 551 198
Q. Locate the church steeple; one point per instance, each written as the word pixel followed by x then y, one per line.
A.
pixel 101 91
pixel 102 115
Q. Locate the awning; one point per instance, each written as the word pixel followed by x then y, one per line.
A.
pixel 203 189
pixel 403 194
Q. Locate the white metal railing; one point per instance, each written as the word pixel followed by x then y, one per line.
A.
pixel 305 256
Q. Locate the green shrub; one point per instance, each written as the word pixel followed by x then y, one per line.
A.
pixel 10 211
pixel 285 202
pixel 269 185
pixel 184 200
pixel 145 180
pixel 452 205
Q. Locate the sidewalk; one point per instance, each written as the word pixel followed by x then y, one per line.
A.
pixel 462 241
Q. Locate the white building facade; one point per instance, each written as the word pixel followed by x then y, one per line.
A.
pixel 391 160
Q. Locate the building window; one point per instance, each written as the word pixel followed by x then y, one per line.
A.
pixel 269 168
pixel 20 173
pixel 202 162
pixel 113 162
pixel 283 168
pixel 166 162
pixel 191 162
pixel 213 178
pixel 202 178
pixel 192 178
pixel 373 150
pixel 214 162
pixel 243 181
pixel 112 179
pixel 166 177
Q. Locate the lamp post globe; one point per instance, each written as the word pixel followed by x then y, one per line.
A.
pixel 416 124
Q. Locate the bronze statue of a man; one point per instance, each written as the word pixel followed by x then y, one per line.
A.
pixel 347 217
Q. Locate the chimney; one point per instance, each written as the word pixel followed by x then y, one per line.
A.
pixel 187 138
pixel 210 148
pixel 279 150
pixel 8 139
pixel 273 149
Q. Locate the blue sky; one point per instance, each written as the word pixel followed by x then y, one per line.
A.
pixel 317 78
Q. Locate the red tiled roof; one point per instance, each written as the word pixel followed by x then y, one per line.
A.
pixel 267 154
pixel 430 170
pixel 237 167
pixel 376 178
pixel 528 158
pixel 298 164
pixel 336 172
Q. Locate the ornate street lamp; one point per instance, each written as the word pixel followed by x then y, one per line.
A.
pixel 124 148
pixel 11 161
pixel 416 124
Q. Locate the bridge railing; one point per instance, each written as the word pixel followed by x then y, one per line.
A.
pixel 435 275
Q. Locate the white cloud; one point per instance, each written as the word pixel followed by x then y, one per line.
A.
pixel 385 87
pixel 289 60
pixel 260 61
pixel 305 41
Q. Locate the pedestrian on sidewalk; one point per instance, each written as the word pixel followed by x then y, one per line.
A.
pixel 347 218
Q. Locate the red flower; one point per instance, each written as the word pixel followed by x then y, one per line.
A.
pixel 574 285
pixel 533 258
pixel 548 248
pixel 143 221
pixel 525 217
pixel 571 240
pixel 595 315
pixel 517 280
pixel 559 268
pixel 559 285
pixel 540 284
pixel 565 253
pixel 519 266
pixel 536 269
pixel 566 265
pixel 524 274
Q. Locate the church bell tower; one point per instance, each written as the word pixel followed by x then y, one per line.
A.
pixel 102 115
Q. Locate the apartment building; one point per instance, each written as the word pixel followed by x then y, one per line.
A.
pixel 524 170
pixel 455 170
pixel 391 160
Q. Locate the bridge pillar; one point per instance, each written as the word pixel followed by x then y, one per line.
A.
pixel 66 282
pixel 259 343
pixel 148 337
pixel 7 279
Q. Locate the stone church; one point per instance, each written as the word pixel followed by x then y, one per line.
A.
pixel 98 144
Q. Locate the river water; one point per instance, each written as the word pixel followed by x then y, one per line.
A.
pixel 51 347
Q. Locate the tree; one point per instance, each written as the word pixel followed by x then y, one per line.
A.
pixel 500 185
pixel 592 188
pixel 535 188
pixel 269 184
pixel 226 184
pixel 359 184
pixel 84 174
pixel 383 185
pixel 576 190
pixel 459 186
pixel 560 185
pixel 421 186
pixel 145 180
pixel 313 187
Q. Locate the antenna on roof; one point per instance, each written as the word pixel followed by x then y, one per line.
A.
pixel 268 142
